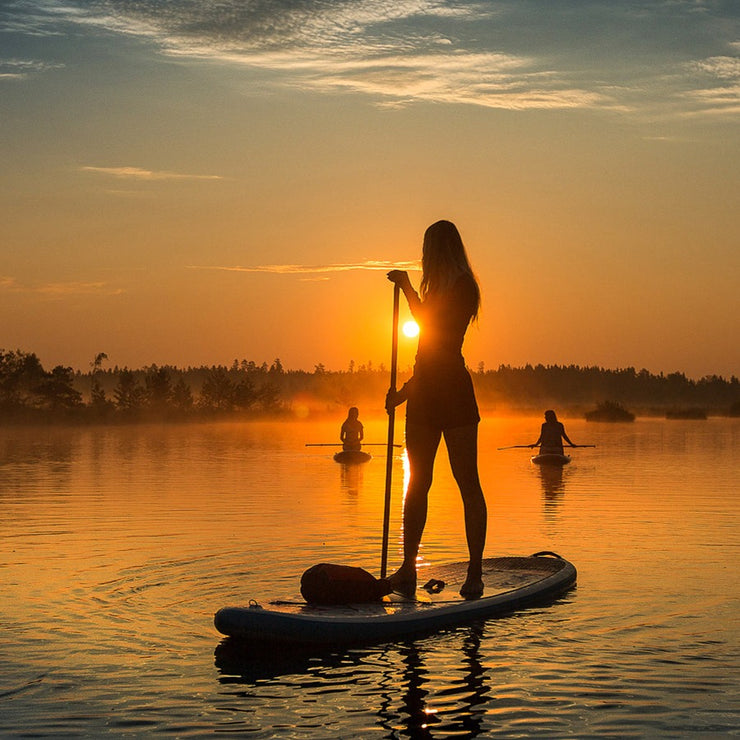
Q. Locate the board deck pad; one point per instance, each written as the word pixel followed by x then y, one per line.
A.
pixel 510 583
pixel 499 575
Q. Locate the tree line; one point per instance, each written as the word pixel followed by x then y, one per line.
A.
pixel 577 388
pixel 30 394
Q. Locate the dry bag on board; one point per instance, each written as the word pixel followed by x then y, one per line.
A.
pixel 327 583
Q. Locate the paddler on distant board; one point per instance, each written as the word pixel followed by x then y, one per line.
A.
pixel 552 434
pixel 352 432
pixel 441 400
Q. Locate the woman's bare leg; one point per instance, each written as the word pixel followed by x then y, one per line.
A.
pixel 421 445
pixel 462 448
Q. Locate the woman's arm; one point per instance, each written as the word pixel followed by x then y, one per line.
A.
pixel 401 279
pixel 539 439
pixel 565 436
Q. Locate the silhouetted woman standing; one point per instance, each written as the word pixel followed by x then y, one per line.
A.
pixel 440 399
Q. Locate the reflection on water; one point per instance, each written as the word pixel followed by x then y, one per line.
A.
pixel 351 478
pixel 406 698
pixel 553 488
pixel 117 545
pixel 421 713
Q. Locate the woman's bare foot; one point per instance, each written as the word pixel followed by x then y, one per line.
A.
pixel 472 588
pixel 403 581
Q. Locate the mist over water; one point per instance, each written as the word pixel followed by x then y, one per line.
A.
pixel 117 545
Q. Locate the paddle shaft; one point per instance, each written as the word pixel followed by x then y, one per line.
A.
pixel 515 447
pixel 339 444
pixel 391 421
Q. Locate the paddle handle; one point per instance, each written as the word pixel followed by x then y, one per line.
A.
pixel 391 423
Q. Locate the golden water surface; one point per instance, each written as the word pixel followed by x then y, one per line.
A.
pixel 117 545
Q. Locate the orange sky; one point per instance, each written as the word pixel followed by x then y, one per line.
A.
pixel 592 171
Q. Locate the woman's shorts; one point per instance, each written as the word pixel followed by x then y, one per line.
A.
pixel 442 398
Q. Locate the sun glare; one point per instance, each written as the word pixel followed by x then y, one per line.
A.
pixel 411 329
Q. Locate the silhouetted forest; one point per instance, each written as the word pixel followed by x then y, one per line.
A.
pixel 31 394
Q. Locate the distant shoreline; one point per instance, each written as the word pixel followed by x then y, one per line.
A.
pixel 245 390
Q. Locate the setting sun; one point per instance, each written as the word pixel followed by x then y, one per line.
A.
pixel 410 329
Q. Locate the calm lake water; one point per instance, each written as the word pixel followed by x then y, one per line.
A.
pixel 117 545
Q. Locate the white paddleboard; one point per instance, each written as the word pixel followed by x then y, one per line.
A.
pixel 511 583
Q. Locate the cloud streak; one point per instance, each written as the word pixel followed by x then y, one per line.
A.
pixel 77 288
pixel 137 173
pixel 21 69
pixel 372 265
pixel 59 289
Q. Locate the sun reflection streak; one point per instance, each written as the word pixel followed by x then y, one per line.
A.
pixel 406 478
pixel 406 472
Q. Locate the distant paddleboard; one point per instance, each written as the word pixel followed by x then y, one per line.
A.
pixel 511 583
pixel 550 458
pixel 352 457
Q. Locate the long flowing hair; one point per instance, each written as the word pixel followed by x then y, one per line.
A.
pixel 444 260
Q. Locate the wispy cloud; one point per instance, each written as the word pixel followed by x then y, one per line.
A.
pixel 59 289
pixel 397 52
pixel 380 265
pixel 717 91
pixel 78 288
pixel 492 80
pixel 29 19
pixel 20 69
pixel 722 67
pixel 137 173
